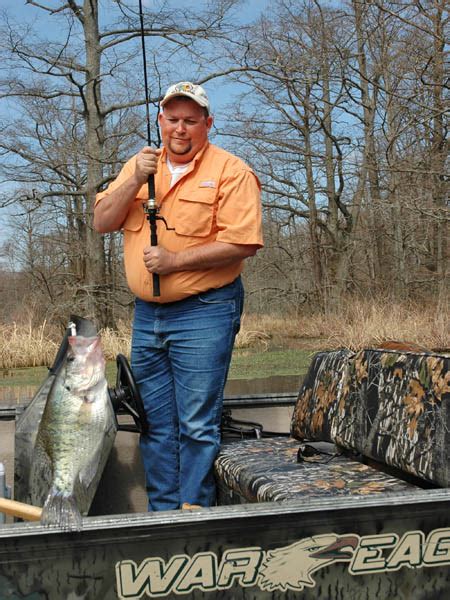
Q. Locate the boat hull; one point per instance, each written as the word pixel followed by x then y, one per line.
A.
pixel 398 547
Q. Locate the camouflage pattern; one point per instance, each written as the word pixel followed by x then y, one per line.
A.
pixel 391 406
pixel 266 470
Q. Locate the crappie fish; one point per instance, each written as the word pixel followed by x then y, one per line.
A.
pixel 75 436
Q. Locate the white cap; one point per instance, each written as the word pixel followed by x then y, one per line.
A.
pixel 188 89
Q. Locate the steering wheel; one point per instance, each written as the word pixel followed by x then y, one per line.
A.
pixel 125 397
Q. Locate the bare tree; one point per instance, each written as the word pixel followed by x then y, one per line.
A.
pixel 404 45
pixel 343 117
pixel 296 92
pixel 79 94
pixel 341 114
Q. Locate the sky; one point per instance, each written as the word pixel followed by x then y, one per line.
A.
pixel 220 95
pixel 19 8
pixel 23 13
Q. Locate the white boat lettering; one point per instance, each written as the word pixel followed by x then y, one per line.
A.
pixel 284 568
pixel 437 549
pixel 183 574
pixel 151 577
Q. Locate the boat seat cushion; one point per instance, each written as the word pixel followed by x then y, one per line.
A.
pixel 267 469
pixel 391 406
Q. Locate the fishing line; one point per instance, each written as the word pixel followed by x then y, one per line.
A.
pixel 144 60
pixel 151 208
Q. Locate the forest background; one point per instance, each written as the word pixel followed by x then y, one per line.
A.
pixel 338 106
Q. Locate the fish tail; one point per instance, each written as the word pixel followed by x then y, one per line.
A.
pixel 60 510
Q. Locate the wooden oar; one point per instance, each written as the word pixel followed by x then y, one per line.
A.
pixel 20 509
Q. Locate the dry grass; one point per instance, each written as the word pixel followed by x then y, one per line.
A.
pixel 27 345
pixel 362 324
pixel 282 330
pixel 359 324
pixel 252 335
pixel 116 341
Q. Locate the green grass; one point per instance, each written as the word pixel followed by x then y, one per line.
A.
pixel 251 364
pixel 23 377
pixel 246 364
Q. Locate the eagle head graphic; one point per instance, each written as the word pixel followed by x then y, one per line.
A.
pixel 291 567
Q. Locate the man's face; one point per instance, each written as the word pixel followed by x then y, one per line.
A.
pixel 184 129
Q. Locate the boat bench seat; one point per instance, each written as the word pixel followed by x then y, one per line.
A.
pixel 268 469
pixel 389 408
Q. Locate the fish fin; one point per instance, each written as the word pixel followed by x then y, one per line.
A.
pixel 60 510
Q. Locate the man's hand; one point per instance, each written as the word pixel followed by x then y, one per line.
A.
pixel 146 164
pixel 159 260
pixel 111 212
pixel 206 256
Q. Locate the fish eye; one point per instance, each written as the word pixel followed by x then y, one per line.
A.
pixel 70 358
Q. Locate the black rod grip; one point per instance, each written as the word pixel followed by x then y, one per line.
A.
pixel 153 230
pixel 156 288
pixel 152 212
pixel 151 188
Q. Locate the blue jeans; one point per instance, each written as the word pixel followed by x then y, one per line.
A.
pixel 180 356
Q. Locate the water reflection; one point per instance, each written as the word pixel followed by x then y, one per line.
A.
pixel 17 394
pixel 264 385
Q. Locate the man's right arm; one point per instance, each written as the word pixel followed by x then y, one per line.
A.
pixel 111 211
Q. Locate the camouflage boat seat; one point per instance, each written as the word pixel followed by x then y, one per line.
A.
pixel 268 469
pixel 390 406
pixel 384 405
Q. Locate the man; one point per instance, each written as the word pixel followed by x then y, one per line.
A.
pixel 183 339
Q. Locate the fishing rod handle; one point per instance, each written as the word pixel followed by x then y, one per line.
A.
pixel 156 288
pixel 153 231
pixel 152 189
pixel 153 228
pixel 154 242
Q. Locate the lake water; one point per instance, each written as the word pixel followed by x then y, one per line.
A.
pixel 11 395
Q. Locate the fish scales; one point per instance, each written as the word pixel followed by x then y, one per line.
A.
pixel 75 436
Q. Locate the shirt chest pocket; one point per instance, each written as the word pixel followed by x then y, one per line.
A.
pixel 195 212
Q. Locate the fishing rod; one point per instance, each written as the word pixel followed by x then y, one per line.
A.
pixel 151 208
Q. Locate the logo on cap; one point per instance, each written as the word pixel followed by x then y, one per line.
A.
pixel 191 90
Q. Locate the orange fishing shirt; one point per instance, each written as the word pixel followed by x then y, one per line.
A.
pixel 216 199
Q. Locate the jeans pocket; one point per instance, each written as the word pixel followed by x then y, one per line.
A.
pixel 229 298
pixel 231 293
pixel 217 297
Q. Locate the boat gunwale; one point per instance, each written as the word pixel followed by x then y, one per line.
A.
pixel 220 514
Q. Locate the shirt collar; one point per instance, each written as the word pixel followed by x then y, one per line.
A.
pixel 194 161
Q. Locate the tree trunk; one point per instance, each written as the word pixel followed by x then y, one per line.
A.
pixel 313 219
pixel 338 260
pixel 439 149
pixel 370 154
pixel 95 304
